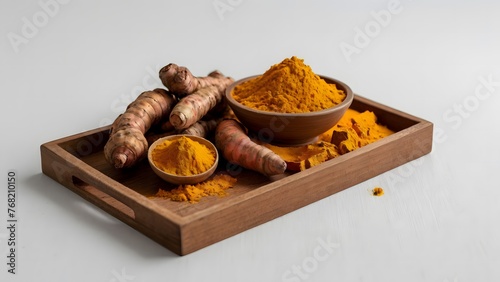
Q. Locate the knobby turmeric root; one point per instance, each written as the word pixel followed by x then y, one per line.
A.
pixel 127 144
pixel 193 107
pixel 182 82
pixel 201 128
pixel 236 147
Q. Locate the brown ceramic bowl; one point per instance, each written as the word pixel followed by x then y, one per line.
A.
pixel 184 179
pixel 289 129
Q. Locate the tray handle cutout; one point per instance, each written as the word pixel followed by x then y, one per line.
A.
pixel 101 198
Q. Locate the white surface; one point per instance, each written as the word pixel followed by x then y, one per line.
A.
pixel 439 218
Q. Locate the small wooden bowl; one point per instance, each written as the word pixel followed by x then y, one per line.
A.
pixel 184 179
pixel 289 129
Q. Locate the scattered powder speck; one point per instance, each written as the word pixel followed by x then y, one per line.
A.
pixel 377 191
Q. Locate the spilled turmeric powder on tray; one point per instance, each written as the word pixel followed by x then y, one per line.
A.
pixel 214 186
pixel 354 130
pixel 304 157
pixel 288 87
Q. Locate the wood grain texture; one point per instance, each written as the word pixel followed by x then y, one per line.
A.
pixel 77 162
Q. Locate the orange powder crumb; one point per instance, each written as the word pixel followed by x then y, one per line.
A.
pixel 377 191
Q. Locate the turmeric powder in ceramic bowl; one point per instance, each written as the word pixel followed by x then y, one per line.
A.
pixel 183 159
pixel 289 104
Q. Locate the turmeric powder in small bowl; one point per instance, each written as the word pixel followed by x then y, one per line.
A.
pixel 183 159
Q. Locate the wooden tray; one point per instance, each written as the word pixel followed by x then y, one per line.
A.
pixel 78 163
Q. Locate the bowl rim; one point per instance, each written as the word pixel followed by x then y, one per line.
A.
pixel 212 148
pixel 345 103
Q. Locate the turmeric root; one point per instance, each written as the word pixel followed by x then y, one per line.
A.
pixel 236 147
pixel 152 137
pixel 166 125
pixel 182 82
pixel 192 108
pixel 201 128
pixel 126 144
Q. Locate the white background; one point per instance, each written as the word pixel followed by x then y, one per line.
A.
pixel 71 66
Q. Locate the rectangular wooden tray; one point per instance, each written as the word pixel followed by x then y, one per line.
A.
pixel 77 162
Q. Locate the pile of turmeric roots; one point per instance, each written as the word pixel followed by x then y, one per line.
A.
pixel 192 105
